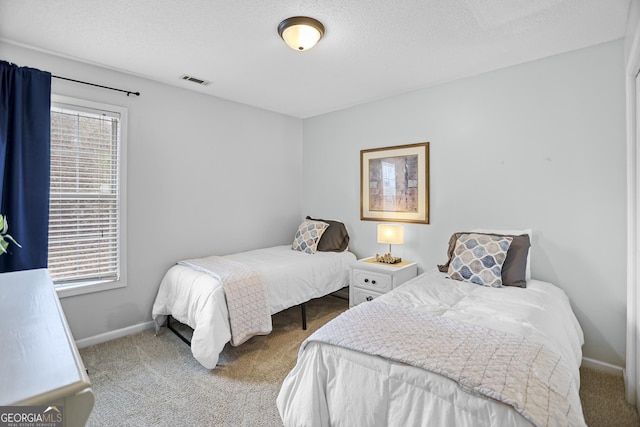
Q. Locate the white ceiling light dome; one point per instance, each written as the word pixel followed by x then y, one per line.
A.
pixel 301 32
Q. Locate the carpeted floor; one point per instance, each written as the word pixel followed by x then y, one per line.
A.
pixel 144 380
pixel 603 402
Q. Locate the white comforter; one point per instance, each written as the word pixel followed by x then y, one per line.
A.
pixel 197 299
pixel 335 386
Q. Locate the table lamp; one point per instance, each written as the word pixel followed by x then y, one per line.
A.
pixel 392 235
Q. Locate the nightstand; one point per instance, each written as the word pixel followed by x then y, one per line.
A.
pixel 369 279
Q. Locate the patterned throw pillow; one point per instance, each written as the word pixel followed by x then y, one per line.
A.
pixel 308 236
pixel 514 269
pixel 478 258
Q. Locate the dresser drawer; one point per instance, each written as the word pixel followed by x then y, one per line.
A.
pixel 363 295
pixel 372 281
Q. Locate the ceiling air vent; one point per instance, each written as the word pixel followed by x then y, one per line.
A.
pixel 194 80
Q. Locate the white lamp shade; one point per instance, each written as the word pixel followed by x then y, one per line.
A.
pixel 391 234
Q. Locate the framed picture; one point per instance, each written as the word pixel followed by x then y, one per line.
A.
pixel 394 183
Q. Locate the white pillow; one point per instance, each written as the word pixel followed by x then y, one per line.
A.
pixel 512 233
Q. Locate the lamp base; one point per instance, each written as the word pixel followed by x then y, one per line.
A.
pixel 388 259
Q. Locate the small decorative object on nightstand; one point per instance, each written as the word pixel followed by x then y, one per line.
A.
pixel 369 279
pixel 388 259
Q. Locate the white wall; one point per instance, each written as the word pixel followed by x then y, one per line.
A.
pixel 632 27
pixel 205 176
pixel 540 145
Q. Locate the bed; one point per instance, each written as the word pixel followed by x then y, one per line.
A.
pixel 442 352
pixel 195 293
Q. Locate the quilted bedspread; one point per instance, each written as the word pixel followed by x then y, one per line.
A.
pixel 246 294
pixel 509 368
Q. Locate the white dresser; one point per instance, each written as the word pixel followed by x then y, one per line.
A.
pixel 39 360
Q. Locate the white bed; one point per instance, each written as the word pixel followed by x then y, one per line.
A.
pixel 197 299
pixel 337 386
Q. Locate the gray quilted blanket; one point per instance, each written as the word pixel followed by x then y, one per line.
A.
pixel 502 366
pixel 246 294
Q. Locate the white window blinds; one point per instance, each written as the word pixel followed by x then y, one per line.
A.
pixel 84 217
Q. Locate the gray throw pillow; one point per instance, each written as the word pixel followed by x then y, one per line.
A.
pixel 335 238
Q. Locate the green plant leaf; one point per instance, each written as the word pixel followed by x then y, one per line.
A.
pixel 7 236
pixel 4 227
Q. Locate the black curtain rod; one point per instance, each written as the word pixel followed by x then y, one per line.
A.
pixel 128 92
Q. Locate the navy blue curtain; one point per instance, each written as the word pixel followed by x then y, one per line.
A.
pixel 25 131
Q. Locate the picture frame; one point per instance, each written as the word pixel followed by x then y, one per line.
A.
pixel 394 183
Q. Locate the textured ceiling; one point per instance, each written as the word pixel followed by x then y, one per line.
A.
pixel 372 49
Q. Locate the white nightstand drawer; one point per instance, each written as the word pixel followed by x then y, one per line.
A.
pixel 363 295
pixel 371 280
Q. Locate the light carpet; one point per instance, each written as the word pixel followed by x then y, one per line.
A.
pixel 144 380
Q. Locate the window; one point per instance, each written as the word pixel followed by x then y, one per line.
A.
pixel 86 250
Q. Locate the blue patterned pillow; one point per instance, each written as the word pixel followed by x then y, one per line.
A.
pixel 308 236
pixel 478 258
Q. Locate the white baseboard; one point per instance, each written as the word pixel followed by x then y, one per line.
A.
pixel 607 368
pixel 119 333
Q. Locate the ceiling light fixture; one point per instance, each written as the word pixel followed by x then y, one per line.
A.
pixel 301 32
